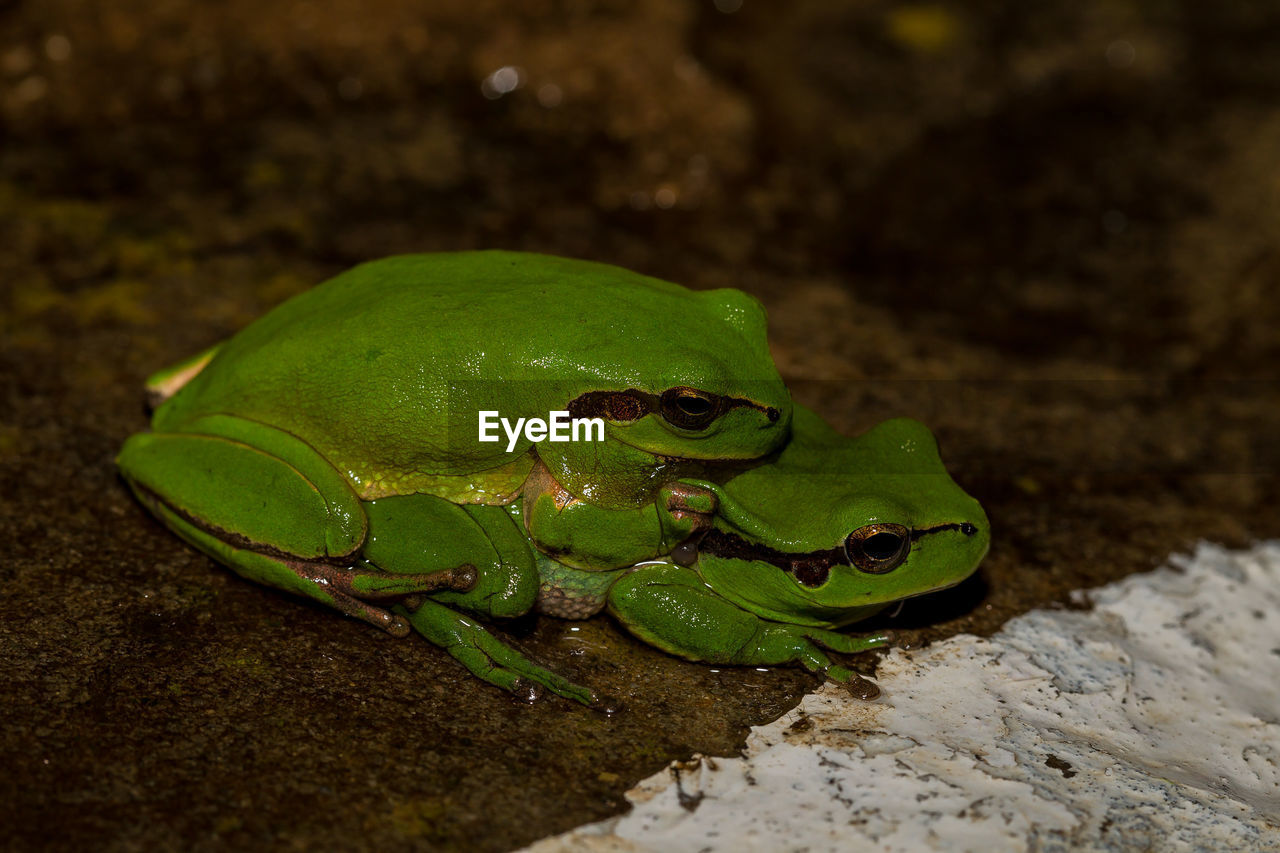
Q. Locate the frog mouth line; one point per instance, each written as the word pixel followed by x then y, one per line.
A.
pixel 810 568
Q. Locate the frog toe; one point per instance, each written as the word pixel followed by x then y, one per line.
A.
pixel 526 691
pixel 489 658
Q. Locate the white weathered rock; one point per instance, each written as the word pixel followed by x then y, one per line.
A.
pixel 1151 721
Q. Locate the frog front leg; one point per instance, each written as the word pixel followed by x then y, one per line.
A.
pixel 584 535
pixel 264 503
pixel 672 608
pixel 410 534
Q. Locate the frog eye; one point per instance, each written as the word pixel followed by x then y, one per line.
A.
pixel 878 548
pixel 689 408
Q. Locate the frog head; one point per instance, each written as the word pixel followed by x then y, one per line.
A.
pixel 708 392
pixel 711 393
pixel 837 528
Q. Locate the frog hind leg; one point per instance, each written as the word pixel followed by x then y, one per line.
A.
pixel 490 659
pixel 409 532
pixel 264 503
pixel 163 384
pixel 671 608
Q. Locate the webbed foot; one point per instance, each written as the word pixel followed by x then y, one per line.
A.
pixel 489 658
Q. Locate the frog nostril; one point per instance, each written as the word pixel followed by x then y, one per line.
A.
pixel 968 529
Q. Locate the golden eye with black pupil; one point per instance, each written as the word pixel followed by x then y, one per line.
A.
pixel 878 548
pixel 689 408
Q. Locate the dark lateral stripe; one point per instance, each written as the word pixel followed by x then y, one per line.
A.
pixel 966 528
pixel 737 402
pixel 633 404
pixel 734 547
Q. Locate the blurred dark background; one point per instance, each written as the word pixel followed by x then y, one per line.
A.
pixel 1049 230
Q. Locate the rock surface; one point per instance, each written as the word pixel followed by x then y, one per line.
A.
pixel 1147 722
pixel 1047 230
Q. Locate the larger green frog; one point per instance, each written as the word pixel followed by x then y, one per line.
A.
pixel 271 450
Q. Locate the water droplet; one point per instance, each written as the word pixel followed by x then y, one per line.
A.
pixel 506 79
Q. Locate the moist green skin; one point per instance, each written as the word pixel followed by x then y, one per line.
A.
pixel 383 369
pixel 381 373
pixel 720 609
pixel 893 473
pixel 330 450
pixel 730 607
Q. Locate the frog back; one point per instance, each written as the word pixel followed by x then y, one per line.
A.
pixel 385 368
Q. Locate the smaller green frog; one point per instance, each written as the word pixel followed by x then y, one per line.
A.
pixel 830 532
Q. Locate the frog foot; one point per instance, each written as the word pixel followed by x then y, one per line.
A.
pixel 688 500
pixel 529 692
pixel 691 507
pixel 858 687
pixel 862 688
pixel 489 658
pixel 350 590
